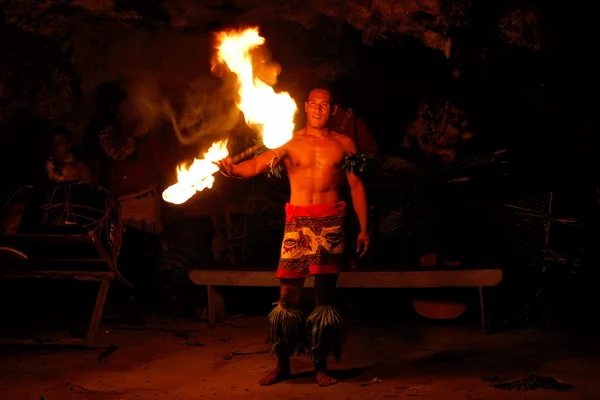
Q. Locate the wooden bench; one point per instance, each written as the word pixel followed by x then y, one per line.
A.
pixel 476 278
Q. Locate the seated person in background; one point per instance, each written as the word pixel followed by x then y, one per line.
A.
pixel 346 122
pixel 437 133
pixel 129 157
pixel 62 165
pixel 132 158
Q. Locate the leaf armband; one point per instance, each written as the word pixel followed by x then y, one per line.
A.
pixel 356 163
pixel 275 171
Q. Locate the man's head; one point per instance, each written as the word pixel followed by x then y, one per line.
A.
pixel 320 106
pixel 61 142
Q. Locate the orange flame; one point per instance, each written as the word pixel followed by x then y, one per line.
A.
pixel 272 114
pixel 196 177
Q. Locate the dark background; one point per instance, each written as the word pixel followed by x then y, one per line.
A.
pixel 528 85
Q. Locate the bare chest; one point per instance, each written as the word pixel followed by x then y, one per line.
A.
pixel 316 153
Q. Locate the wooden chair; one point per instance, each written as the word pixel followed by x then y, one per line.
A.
pixel 73 257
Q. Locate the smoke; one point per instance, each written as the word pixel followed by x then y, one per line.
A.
pixel 206 110
pixel 174 77
pixel 167 77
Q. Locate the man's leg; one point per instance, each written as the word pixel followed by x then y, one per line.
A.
pixel 325 328
pixel 287 331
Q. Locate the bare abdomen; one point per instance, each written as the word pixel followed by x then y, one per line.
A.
pixel 315 186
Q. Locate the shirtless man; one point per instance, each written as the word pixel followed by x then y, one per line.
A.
pixel 313 240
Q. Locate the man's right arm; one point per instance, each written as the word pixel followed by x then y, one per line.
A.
pixel 256 166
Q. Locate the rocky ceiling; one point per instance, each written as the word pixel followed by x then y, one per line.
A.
pixel 431 21
pixel 62 50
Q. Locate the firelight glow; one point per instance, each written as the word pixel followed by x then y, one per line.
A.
pixel 269 113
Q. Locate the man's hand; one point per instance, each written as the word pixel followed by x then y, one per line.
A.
pixel 227 167
pixel 363 243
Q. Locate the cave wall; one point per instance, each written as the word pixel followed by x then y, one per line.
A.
pixel 386 55
pixel 105 39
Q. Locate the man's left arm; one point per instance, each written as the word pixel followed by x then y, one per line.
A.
pixel 359 200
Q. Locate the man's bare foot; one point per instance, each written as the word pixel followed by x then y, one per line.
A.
pixel 277 375
pixel 322 379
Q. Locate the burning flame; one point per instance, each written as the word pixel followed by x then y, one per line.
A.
pixel 196 177
pixel 272 114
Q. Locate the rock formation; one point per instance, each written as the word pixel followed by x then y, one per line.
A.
pixel 73 46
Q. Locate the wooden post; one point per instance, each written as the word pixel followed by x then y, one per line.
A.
pixel 482 308
pixel 97 313
pixel 216 307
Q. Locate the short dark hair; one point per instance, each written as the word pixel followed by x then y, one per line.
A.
pixel 327 87
pixel 64 131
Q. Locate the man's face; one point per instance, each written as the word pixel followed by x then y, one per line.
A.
pixel 319 108
pixel 60 146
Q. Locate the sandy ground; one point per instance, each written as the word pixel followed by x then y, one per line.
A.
pixel 421 362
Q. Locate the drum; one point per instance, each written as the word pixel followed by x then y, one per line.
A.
pixel 79 207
